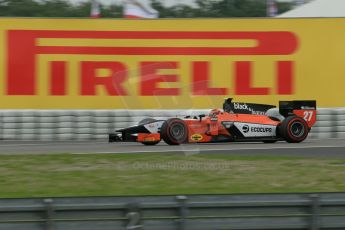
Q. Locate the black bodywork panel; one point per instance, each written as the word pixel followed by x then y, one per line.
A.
pixel 245 108
pixel 286 108
pixel 126 134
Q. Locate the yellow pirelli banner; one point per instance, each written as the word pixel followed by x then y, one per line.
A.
pixel 169 64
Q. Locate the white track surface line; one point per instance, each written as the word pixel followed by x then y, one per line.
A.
pixel 219 149
pixel 49 144
pixel 310 148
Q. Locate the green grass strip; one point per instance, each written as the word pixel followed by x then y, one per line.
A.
pixel 163 174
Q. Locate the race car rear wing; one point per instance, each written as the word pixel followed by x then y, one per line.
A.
pixel 304 109
pixel 245 108
pixel 286 108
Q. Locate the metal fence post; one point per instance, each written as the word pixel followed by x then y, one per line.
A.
pixel 315 215
pixel 49 212
pixel 133 217
pixel 183 211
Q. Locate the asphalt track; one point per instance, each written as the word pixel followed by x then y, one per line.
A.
pixel 328 148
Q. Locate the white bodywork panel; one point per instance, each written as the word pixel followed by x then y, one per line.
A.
pixel 256 130
pixel 154 127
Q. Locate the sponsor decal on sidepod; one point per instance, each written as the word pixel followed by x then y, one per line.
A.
pixel 196 137
pixel 255 130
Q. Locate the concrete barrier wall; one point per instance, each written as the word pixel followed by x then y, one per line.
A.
pixel 96 124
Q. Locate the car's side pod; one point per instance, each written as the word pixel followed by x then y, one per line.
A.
pixel 305 109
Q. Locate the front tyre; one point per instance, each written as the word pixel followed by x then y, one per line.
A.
pixel 174 131
pixel 150 142
pixel 294 129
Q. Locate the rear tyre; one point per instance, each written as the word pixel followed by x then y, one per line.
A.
pixel 144 122
pixel 294 129
pixel 174 131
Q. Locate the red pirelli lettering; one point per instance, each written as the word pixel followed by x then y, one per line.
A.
pixel 202 81
pixel 243 80
pixel 112 83
pixel 58 83
pixel 150 79
pixel 285 77
pixel 23 50
pixel 268 43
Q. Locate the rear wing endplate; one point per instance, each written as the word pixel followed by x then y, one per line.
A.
pixel 286 108
pixel 303 109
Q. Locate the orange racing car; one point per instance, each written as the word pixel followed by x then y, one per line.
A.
pixel 291 122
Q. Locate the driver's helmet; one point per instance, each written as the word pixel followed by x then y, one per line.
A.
pixel 214 112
